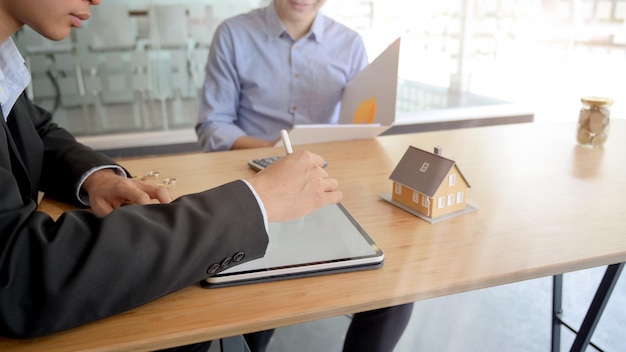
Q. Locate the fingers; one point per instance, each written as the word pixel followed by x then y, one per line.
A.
pixel 105 199
pixel 302 157
pixel 162 194
pixel 332 197
pixel 101 208
pixel 143 193
pixel 315 159
pixel 330 185
pixel 328 191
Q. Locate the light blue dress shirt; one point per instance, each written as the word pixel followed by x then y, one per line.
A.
pixel 14 76
pixel 259 80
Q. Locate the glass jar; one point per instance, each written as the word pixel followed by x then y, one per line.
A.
pixel 593 121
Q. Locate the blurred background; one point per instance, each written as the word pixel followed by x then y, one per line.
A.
pixel 137 66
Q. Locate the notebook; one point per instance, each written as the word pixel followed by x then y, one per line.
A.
pixel 326 241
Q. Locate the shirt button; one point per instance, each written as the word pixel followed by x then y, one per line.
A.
pixel 294 108
pixel 297 75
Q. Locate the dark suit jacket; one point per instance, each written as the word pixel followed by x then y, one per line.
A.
pixel 59 274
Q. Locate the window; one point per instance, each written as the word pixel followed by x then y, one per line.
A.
pixel 424 167
pixel 416 197
pixel 398 188
pixel 452 180
pixel 484 53
pixel 425 202
pixel 459 197
pixel 441 202
pixel 450 199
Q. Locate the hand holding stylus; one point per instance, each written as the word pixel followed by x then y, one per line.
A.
pixel 284 136
pixel 295 185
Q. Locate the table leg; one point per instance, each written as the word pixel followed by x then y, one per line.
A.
pixel 597 306
pixel 557 311
pixel 234 344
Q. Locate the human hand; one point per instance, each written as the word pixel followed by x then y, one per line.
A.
pixel 247 142
pixel 294 186
pixel 107 191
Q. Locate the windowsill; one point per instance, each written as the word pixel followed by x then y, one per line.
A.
pixel 460 117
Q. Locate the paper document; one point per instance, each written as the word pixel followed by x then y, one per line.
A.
pixel 370 97
pixel 307 134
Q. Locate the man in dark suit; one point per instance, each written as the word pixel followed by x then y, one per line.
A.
pixel 55 275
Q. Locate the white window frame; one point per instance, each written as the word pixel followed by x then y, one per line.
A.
pixel 398 189
pixel 452 180
pixel 459 197
pixel 416 197
pixel 441 202
pixel 451 198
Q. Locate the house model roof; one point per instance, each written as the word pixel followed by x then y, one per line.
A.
pixel 423 171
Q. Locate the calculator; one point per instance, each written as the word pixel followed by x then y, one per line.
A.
pixel 262 163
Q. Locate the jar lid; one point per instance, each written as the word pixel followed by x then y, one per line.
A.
pixel 592 100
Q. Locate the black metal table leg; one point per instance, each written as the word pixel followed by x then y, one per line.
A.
pixel 557 311
pixel 234 344
pixel 583 337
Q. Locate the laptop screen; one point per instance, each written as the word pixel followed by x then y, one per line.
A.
pixel 370 97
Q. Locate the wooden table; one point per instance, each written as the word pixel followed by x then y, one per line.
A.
pixel 547 207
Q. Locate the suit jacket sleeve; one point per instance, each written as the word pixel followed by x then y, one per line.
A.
pixel 55 275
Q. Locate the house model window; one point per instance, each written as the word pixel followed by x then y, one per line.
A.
pixel 399 189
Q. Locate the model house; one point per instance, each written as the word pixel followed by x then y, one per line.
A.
pixel 429 184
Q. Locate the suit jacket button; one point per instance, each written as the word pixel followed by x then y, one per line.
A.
pixel 238 256
pixel 226 262
pixel 213 269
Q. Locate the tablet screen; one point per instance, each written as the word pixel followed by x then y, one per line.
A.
pixel 328 238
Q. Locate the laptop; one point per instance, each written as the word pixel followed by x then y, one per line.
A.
pixel 326 241
pixel 370 97
pixel 368 107
pixel 319 133
pixel 368 104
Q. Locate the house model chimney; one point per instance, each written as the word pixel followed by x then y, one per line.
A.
pixel 438 150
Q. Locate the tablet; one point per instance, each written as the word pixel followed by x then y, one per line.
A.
pixel 326 241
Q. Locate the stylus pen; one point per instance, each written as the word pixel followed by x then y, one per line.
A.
pixel 284 135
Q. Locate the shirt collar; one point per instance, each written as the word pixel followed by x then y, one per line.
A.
pixel 14 76
pixel 275 27
pixel 317 29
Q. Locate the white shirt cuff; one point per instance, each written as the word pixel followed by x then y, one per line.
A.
pixel 82 196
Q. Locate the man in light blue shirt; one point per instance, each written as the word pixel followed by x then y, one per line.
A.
pixel 270 70
pixel 273 68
